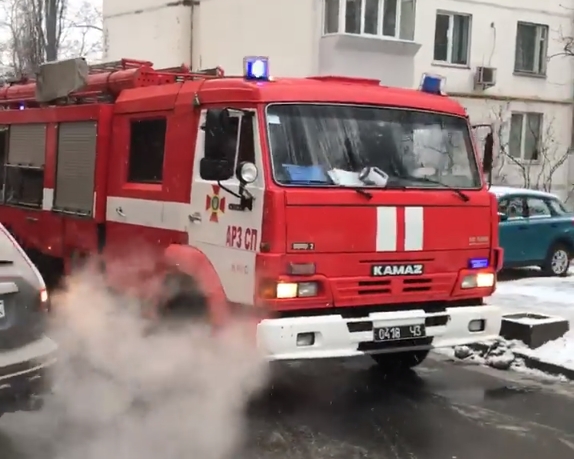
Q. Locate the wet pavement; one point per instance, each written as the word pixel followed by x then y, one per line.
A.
pixel 349 410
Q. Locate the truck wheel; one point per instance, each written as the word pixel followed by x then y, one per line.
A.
pixel 185 299
pixel 558 261
pixel 400 360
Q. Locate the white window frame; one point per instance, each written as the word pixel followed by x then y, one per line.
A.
pixel 342 17
pixel 542 33
pixel 450 36
pixel 525 126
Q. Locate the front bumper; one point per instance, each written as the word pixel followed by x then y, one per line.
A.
pixel 335 336
pixel 23 375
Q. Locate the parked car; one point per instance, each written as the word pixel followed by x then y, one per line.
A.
pixel 26 353
pixel 535 230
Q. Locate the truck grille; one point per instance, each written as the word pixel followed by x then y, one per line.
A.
pixel 376 290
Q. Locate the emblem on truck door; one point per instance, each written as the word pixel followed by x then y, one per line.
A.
pixel 397 270
pixel 215 204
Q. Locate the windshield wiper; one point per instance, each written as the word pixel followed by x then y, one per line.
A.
pixel 459 192
pixel 359 190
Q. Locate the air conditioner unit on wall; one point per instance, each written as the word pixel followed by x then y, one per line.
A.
pixel 485 77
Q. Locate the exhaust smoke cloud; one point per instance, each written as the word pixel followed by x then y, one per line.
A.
pixel 125 392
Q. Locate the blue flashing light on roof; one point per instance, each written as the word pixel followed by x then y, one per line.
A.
pixel 256 68
pixel 432 84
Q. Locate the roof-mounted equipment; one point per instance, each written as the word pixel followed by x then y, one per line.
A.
pixel 73 81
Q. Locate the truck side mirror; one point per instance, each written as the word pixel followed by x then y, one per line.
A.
pixel 215 169
pixel 487 157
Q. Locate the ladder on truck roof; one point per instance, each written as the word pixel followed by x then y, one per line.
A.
pixel 101 82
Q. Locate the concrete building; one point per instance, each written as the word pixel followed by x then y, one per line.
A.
pixel 503 59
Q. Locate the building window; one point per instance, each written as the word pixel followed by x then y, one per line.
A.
pixel 452 38
pixel 147 145
pixel 387 18
pixel 525 136
pixel 331 19
pixel 531 48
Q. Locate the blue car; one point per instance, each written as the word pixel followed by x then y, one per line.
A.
pixel 535 230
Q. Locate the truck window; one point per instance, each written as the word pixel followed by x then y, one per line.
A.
pixel 220 142
pixel 24 171
pixel 147 148
pixel 246 151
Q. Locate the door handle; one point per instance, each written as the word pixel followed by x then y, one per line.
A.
pixel 32 219
pixel 195 217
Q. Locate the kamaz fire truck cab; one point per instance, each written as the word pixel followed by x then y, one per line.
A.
pixel 353 215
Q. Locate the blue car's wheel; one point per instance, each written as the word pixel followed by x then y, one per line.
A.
pixel 558 260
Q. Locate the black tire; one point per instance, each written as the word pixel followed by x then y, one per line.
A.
pixel 557 261
pixel 400 360
pixel 185 299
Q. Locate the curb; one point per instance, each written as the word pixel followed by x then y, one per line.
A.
pixel 533 363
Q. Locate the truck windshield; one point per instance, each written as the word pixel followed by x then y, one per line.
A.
pixel 329 145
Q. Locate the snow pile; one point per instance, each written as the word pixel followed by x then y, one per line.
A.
pixel 125 391
pixel 497 354
pixel 530 292
pixel 558 352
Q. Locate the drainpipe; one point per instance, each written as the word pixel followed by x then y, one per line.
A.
pixel 194 45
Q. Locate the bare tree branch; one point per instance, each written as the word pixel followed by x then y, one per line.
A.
pixel 537 169
pixel 46 30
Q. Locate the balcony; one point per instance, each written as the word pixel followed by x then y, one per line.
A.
pixel 369 38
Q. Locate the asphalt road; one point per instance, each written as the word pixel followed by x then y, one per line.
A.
pixel 348 410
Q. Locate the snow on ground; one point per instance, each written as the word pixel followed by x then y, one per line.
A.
pixel 527 291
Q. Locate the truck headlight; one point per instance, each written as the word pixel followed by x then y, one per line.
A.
pixel 478 280
pixel 296 289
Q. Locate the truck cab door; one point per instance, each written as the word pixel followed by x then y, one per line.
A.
pixel 228 235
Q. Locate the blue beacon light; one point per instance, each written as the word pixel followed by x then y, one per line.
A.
pixel 256 68
pixel 432 84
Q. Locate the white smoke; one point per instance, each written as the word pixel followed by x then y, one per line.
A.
pixel 124 392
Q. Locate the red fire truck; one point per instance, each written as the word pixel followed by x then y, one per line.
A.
pixel 353 217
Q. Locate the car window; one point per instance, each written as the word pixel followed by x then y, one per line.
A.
pixel 537 207
pixel 512 207
pixel 557 207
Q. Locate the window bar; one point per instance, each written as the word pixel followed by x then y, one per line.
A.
pixel 398 19
pixel 450 37
pixel 363 12
pixel 523 137
pixel 380 18
pixel 536 50
pixel 342 12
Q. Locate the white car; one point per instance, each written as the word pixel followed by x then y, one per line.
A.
pixel 26 353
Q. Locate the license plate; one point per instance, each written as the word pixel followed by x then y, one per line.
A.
pixel 398 333
pixel 2 309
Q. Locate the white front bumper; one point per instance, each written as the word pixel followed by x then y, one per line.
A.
pixel 278 337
